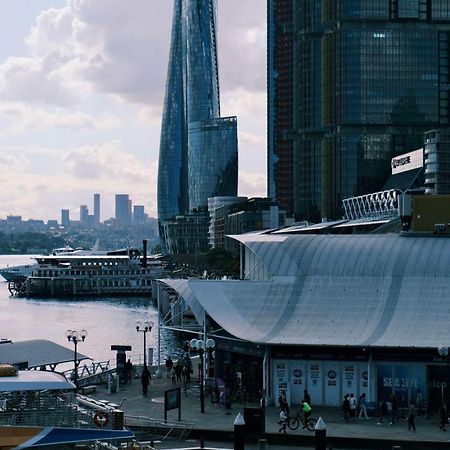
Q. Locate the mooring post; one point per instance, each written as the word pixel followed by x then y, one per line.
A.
pixel 239 433
pixel 320 435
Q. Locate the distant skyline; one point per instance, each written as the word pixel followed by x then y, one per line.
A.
pixel 81 92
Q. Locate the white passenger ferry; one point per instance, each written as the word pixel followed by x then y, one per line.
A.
pixel 116 273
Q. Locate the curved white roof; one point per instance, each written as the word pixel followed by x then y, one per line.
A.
pixel 35 380
pixel 355 290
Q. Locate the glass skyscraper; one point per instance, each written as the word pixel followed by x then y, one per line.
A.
pixel 198 148
pixel 351 83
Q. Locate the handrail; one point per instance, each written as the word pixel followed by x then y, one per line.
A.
pixel 159 424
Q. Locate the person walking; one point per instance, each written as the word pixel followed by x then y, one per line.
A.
pixel 173 375
pixel 411 417
pixel 383 412
pixel 169 365
pixel 443 416
pixel 394 410
pixel 178 370
pixel 363 406
pixel 282 399
pixel 352 401
pixel 283 421
pixel 128 371
pixel 346 407
pixel 145 380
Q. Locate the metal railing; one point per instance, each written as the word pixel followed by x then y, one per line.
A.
pixel 163 429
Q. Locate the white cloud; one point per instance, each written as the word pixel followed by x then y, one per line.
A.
pixel 24 119
pixel 252 184
pixel 100 66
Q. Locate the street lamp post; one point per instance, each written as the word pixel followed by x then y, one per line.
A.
pixel 199 346
pixel 444 352
pixel 75 337
pixel 144 327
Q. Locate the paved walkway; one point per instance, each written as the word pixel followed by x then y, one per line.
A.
pixel 221 420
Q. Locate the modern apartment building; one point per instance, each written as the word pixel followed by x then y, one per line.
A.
pixel 350 85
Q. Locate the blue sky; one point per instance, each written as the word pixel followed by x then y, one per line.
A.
pixel 81 91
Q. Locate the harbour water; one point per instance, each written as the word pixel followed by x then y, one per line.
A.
pixel 109 321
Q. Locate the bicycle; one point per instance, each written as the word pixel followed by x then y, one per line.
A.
pixel 309 423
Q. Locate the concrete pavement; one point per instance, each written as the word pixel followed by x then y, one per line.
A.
pixel 216 423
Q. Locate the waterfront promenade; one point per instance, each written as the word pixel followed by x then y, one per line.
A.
pixel 216 424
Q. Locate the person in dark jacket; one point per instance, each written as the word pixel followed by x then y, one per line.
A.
pixel 383 412
pixel 145 380
pixel 346 407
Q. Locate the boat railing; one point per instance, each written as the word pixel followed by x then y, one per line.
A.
pixel 58 409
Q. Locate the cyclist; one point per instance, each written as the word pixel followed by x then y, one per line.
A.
pixel 306 411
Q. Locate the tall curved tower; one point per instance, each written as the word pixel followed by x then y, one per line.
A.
pixel 198 149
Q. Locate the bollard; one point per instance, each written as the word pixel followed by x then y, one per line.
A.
pixel 320 433
pixel 262 444
pixel 239 433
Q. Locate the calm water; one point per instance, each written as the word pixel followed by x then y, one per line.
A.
pixel 109 321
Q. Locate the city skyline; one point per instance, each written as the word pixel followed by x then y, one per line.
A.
pixel 82 87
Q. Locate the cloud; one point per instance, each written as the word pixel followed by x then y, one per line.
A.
pixel 24 119
pixel 252 184
pixel 106 168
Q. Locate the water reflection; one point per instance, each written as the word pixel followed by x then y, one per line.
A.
pixel 109 321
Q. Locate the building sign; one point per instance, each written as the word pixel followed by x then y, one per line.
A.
pixel 407 161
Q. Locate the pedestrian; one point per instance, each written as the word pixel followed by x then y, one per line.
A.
pixel 173 375
pixel 128 371
pixel 383 412
pixel 284 405
pixel 394 409
pixel 419 403
pixel 411 417
pixel 178 370
pixel 346 407
pixel 363 406
pixel 352 401
pixel 169 365
pixel 443 416
pixel 307 397
pixel 145 380
pixel 283 421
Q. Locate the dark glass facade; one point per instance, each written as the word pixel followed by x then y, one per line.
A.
pixel 212 162
pixel 198 148
pixel 369 78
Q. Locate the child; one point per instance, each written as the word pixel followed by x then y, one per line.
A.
pixel 283 421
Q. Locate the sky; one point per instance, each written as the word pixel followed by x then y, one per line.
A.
pixel 81 90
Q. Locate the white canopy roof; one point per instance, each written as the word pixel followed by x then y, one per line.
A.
pixel 35 380
pixel 355 290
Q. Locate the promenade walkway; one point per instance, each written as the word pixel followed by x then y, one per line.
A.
pixel 217 423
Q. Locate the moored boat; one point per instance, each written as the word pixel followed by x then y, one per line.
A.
pixel 116 273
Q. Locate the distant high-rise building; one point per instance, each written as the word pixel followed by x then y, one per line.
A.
pixel 96 209
pixel 350 85
pixel 123 216
pixel 65 218
pixel 198 148
pixel 138 215
pixel 84 213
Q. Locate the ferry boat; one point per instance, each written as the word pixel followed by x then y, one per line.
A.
pixel 118 272
pixel 21 272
